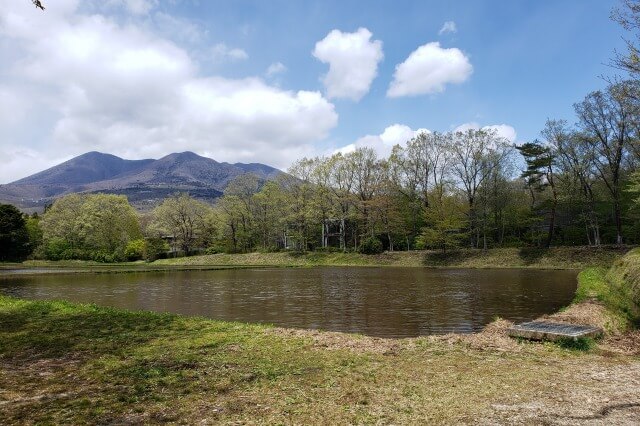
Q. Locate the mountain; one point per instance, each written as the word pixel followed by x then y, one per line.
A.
pixel 144 182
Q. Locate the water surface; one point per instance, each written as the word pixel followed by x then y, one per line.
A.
pixel 387 302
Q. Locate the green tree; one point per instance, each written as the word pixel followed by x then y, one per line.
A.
pixel 540 161
pixel 89 226
pixel 182 217
pixel 445 224
pixel 14 237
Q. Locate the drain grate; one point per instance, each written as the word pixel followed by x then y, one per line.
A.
pixel 543 330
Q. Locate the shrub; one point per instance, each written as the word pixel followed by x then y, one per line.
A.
pixel 57 249
pixel 135 250
pixel 371 245
pixel 213 250
pixel 328 250
pixel 155 248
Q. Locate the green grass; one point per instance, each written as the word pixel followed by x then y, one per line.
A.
pixel 553 258
pixel 63 363
pixel 616 288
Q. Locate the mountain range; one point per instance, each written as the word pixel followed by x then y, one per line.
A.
pixel 144 182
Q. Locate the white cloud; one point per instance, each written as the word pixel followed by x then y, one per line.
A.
pixel 428 69
pixel 86 82
pixel 222 52
pixel 385 141
pixel 276 68
pixel 502 130
pixel 353 62
pixel 396 134
pixel 448 27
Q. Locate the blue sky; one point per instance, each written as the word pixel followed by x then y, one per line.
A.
pixel 144 78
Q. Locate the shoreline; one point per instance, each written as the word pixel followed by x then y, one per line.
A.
pixel 558 258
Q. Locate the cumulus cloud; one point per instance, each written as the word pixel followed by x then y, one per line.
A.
pixel 87 82
pixel 275 68
pixel 353 62
pixel 502 130
pixel 428 69
pixel 222 52
pixel 385 141
pixel 448 27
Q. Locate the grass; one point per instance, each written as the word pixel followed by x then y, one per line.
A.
pixel 63 363
pixel 553 258
pixel 616 289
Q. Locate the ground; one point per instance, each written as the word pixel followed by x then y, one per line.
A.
pixel 65 363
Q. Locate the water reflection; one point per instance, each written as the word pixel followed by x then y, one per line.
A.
pixel 389 302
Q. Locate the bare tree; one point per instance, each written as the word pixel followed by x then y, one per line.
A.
pixel 474 155
pixel 628 16
pixel 576 160
pixel 605 118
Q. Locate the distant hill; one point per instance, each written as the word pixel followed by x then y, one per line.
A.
pixel 145 182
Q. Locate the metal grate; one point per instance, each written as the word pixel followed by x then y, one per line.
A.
pixel 543 330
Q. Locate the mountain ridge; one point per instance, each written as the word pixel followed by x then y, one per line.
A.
pixel 146 182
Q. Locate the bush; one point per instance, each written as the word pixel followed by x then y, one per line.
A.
pixel 135 250
pixel 57 249
pixel 155 248
pixel 328 250
pixel 371 245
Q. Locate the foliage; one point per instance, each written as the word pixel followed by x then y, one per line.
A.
pixel 14 235
pixel 135 249
pixel 371 245
pixel 182 218
pixel 154 248
pixel 445 225
pixel 89 226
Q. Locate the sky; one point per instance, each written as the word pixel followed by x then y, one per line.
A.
pixel 272 81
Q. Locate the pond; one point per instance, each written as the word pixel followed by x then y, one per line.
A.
pixel 385 302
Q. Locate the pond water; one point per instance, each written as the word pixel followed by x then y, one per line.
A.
pixel 385 302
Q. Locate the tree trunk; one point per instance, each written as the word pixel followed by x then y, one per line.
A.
pixel 618 217
pixel 552 221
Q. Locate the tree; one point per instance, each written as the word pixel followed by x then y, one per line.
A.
pixel 475 155
pixel 445 222
pixel 576 162
pixel 89 226
pixel 299 192
pixel 182 217
pixel 107 222
pixel 341 183
pixel 605 118
pixel 14 237
pixel 628 16
pixel 269 213
pixel 368 180
pixel 540 160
